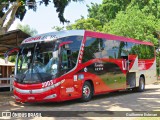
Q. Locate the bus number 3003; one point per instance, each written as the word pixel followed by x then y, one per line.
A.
pixel 48 83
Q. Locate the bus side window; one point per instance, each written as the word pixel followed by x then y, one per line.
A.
pixel 93 48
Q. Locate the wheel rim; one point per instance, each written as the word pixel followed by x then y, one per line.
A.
pixel 86 91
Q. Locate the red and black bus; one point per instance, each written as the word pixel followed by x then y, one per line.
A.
pixel 73 64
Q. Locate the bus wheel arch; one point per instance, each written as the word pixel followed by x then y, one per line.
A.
pixel 87 90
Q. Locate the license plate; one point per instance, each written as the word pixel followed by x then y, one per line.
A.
pixel 31 98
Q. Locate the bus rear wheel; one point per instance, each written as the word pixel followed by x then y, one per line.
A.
pixel 141 86
pixel 87 92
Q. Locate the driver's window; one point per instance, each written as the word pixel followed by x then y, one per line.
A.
pixel 69 48
pixel 65 59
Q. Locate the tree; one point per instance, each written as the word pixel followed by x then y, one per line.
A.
pixel 5 10
pixel 134 23
pixel 109 8
pixel 27 29
pixel 87 24
pixel 58 28
pixel 17 8
pixel 94 11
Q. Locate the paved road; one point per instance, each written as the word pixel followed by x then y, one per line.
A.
pixel 118 101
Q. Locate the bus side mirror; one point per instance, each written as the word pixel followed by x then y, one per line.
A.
pixel 9 52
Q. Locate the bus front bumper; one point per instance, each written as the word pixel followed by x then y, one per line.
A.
pixel 48 96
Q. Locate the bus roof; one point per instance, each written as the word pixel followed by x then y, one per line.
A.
pixel 56 35
pixel 115 37
pixel 53 35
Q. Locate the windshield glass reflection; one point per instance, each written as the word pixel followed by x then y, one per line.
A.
pixel 37 62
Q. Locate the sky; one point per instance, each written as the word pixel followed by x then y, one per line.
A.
pixel 46 17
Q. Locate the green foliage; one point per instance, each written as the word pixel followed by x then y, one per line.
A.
pixel 109 8
pixel 60 6
pixel 5 4
pixel 87 24
pixel 12 58
pixel 58 28
pixel 27 29
pixel 147 6
pixel 135 24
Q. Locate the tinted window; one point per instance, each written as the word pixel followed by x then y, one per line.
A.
pixel 143 51
pixel 93 48
pixel 111 49
pixel 150 52
pixel 70 53
pixel 103 48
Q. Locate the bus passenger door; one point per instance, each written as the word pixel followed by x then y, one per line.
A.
pixel 65 66
pixel 69 51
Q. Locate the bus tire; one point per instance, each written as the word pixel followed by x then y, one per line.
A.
pixel 141 86
pixel 87 92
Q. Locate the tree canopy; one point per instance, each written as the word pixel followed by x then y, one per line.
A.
pixel 87 24
pixel 135 24
pixel 129 18
pixel 110 8
pixel 18 9
pixel 27 29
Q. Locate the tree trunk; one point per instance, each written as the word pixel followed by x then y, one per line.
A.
pixel 13 9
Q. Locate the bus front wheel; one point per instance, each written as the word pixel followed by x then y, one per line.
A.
pixel 87 92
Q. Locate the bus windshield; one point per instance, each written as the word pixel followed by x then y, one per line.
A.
pixel 46 60
pixel 37 62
